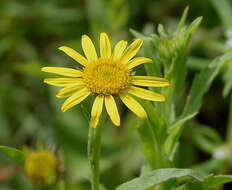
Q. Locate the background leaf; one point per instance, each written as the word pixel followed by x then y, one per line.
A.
pixel 200 86
pixel 13 153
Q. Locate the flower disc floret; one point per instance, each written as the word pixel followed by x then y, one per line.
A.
pixel 106 76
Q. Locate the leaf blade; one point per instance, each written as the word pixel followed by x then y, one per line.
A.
pixel 158 176
pixel 13 153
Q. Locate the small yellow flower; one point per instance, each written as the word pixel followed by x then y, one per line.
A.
pixel 105 77
pixel 41 167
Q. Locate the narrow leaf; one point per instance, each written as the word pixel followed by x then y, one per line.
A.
pixel 13 153
pixel 200 86
pixel 202 83
pixel 183 19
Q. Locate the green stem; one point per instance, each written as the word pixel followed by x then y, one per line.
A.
pixel 229 126
pixel 94 149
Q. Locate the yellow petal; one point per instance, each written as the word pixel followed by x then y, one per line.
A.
pixel 138 61
pixel 96 111
pixel 131 51
pixel 75 99
pixel 112 110
pixel 105 47
pixel 149 81
pixel 119 49
pixel 69 90
pixel 88 48
pixel 63 81
pixel 133 105
pixel 62 71
pixel 145 94
pixel 74 54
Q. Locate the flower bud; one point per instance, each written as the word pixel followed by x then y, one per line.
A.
pixel 41 167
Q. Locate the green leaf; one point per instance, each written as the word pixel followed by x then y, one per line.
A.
pixel 13 153
pixel 152 69
pixel 152 132
pixel 227 78
pixel 207 138
pixel 183 19
pixel 139 35
pixel 208 183
pixel 190 186
pixel 150 147
pixel 182 187
pixel 200 86
pixel 148 50
pixel 156 120
pixel 169 50
pixel 172 54
pixel 197 63
pixel 211 165
pixel 174 133
pixel 202 83
pixel 179 59
pixel 192 28
pixel 158 176
pixel 212 181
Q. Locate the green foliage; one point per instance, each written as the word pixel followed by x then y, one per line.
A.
pixel 207 138
pixel 159 176
pixel 170 51
pixel 13 153
pixel 202 83
pixel 156 177
pixel 212 181
pixel 200 86
pixel 160 137
pixel 209 182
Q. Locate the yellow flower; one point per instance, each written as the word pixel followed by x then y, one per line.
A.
pixel 105 77
pixel 41 167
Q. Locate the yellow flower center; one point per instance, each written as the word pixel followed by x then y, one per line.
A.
pixel 106 76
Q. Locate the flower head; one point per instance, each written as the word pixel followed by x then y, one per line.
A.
pixel 41 167
pixel 105 77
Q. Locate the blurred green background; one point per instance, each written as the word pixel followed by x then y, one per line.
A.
pixel 30 33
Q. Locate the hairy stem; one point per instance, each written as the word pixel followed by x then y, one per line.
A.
pixel 94 149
